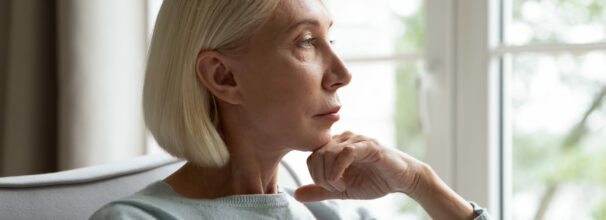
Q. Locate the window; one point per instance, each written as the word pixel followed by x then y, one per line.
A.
pixel 554 72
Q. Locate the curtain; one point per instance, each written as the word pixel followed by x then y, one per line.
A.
pixel 71 74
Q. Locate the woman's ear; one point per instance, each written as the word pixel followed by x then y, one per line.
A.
pixel 214 73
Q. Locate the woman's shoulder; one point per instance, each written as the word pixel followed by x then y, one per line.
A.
pixel 148 203
pixel 121 210
pixel 159 201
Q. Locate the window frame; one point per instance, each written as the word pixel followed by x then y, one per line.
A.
pixel 465 145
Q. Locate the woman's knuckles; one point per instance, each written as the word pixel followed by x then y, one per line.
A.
pixel 339 185
pixel 353 164
pixel 336 157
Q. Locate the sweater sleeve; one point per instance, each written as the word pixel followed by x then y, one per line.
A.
pixel 482 213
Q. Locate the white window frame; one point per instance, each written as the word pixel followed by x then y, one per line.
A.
pixel 465 117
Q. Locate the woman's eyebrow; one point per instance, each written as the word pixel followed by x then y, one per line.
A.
pixel 306 21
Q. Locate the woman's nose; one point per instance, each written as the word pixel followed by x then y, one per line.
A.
pixel 338 75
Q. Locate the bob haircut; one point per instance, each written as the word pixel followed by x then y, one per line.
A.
pixel 179 110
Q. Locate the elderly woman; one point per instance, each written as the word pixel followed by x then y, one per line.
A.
pixel 234 85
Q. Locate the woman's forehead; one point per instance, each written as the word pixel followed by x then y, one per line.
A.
pixel 292 13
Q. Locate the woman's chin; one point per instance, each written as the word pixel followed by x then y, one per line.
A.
pixel 316 141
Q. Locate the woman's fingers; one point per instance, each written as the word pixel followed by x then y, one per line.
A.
pixel 359 167
pixel 329 161
pixel 339 184
pixel 327 164
pixel 312 193
pixel 341 162
pixel 368 151
pixel 356 138
pixel 344 136
pixel 315 164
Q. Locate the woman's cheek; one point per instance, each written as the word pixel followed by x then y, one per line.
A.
pixel 303 55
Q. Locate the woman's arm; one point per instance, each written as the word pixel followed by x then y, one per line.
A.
pixel 438 200
pixel 356 167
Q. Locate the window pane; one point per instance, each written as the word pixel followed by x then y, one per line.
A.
pixel 559 136
pixel 377 28
pixel 550 21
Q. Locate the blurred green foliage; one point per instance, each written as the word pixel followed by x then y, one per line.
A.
pixel 565 14
pixel 574 157
pixel 409 136
pixel 542 159
pixel 412 39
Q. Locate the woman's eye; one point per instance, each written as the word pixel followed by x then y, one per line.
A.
pixel 308 43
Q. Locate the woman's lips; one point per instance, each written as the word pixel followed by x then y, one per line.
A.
pixel 332 114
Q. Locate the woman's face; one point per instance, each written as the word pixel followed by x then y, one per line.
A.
pixel 289 76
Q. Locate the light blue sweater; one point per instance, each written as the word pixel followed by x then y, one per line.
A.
pixel 160 201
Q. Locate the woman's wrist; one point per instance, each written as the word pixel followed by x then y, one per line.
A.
pixel 413 174
pixel 438 200
pixel 423 180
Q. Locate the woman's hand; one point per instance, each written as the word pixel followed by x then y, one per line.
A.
pixel 352 166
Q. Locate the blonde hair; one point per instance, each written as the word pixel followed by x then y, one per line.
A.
pixel 178 109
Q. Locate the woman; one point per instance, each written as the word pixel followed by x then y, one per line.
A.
pixel 232 86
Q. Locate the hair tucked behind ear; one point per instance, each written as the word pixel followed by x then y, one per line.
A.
pixel 177 106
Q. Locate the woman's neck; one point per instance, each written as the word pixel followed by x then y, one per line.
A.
pixel 249 170
pixel 252 167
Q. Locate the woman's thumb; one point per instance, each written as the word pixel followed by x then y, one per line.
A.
pixel 313 193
